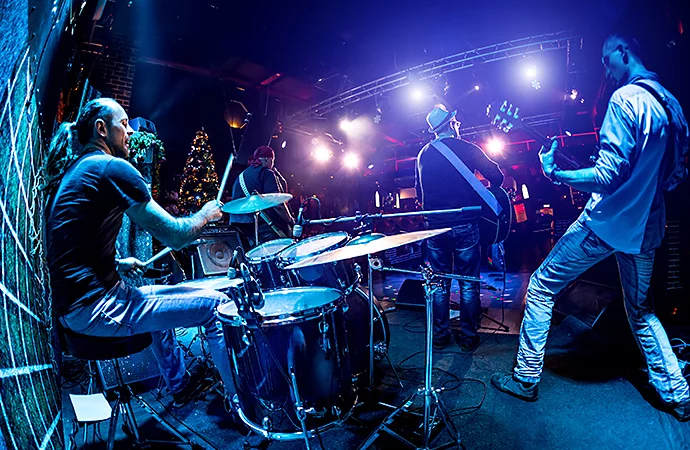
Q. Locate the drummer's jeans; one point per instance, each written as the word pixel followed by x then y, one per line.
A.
pixel 457 252
pixel 157 309
pixel 575 252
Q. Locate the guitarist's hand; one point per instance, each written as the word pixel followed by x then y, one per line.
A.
pixel 548 164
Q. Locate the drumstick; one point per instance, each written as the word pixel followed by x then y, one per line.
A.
pixel 158 255
pixel 167 250
pixel 225 176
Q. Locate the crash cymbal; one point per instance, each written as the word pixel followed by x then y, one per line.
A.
pixel 255 203
pixel 369 248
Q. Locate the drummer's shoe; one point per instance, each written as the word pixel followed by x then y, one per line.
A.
pixel 441 342
pixel 197 383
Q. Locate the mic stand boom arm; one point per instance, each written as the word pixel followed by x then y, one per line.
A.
pixel 360 217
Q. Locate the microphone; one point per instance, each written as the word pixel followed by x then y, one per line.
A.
pixel 232 270
pixel 297 229
pixel 254 294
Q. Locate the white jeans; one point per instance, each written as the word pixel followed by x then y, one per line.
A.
pixel 575 252
pixel 156 309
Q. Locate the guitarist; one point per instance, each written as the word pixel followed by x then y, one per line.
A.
pixel 440 186
pixel 644 141
pixel 262 177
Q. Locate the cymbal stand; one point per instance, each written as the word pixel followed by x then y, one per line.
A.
pixel 430 394
pixel 256 229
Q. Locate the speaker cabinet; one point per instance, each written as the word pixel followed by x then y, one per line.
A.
pixel 411 294
pixel 213 257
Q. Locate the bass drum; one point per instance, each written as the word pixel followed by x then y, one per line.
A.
pixel 299 338
pixel 357 320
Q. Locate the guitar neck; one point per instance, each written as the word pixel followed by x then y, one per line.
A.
pixel 546 142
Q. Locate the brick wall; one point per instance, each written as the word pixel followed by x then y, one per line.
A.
pixel 113 71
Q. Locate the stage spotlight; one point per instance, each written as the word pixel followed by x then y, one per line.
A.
pixel 495 146
pixel 573 94
pixel 531 72
pixel 321 154
pixel 351 161
pixel 536 85
pixel 525 192
pixel 417 94
pixel 370 166
pixel 345 125
pixel 284 144
pixel 476 87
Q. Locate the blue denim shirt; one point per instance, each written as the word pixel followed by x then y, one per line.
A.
pixel 629 214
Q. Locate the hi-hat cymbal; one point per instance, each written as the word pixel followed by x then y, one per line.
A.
pixel 369 248
pixel 255 203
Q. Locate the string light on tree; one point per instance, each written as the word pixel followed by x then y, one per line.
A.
pixel 199 183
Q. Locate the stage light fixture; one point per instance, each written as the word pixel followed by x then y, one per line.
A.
pixel 322 154
pixel 346 125
pixel 370 166
pixel 417 93
pixel 495 146
pixel 525 192
pixel 377 199
pixel 476 87
pixel 351 160
pixel 284 144
pixel 573 94
pixel 531 72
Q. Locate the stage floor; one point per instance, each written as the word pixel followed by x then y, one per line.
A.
pixel 592 394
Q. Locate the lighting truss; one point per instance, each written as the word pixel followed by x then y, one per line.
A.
pixel 434 69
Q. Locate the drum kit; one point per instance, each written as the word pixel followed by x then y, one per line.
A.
pixel 303 335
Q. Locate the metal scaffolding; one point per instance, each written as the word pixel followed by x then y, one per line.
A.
pixel 434 69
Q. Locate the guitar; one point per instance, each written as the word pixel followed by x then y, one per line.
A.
pixel 493 228
pixel 507 118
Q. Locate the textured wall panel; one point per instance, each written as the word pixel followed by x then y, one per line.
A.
pixel 30 399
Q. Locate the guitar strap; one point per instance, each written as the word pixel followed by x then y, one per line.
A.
pixel 668 160
pixel 467 174
pixel 263 215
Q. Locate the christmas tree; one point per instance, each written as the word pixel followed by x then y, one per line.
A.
pixel 199 180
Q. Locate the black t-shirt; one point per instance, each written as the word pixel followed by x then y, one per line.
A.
pixel 440 186
pixel 264 181
pixel 83 220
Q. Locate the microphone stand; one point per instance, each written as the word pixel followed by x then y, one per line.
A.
pixel 369 217
pixel 430 394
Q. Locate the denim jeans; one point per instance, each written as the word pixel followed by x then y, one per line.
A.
pixel 575 252
pixel 457 252
pixel 127 311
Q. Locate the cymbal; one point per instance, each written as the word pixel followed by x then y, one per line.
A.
pixel 255 203
pixel 375 246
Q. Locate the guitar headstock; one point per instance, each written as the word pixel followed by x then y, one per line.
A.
pixel 505 117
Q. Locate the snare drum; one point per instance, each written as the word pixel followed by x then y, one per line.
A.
pixel 263 263
pixel 219 283
pixel 302 332
pixel 339 274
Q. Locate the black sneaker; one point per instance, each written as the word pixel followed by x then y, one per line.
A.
pixel 466 344
pixel 441 342
pixel 510 385
pixel 197 382
pixel 681 411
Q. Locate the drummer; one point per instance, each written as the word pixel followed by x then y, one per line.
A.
pixel 262 177
pixel 90 186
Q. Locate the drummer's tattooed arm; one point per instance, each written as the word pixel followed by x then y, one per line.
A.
pixel 171 231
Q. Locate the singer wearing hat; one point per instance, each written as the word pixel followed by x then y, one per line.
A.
pixel 440 186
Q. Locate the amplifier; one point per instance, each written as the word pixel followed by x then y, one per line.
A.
pixel 213 257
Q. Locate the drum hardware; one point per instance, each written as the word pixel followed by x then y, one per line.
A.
pixel 254 204
pixel 299 408
pixel 429 393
